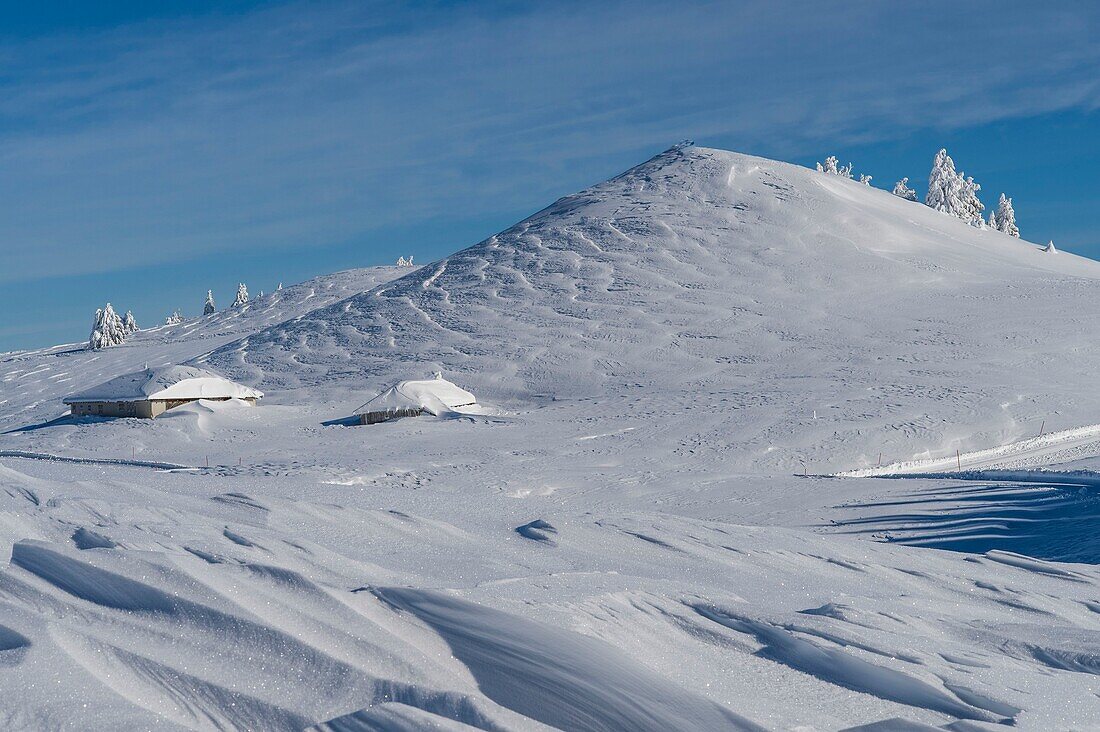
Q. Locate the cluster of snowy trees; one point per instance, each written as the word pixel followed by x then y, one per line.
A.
pixel 832 166
pixel 956 193
pixel 949 190
pixel 403 262
pixel 109 329
pixel 242 298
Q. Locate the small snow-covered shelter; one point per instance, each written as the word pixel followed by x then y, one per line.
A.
pixel 152 392
pixel 435 396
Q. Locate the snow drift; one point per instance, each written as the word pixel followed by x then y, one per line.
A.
pixel 166 382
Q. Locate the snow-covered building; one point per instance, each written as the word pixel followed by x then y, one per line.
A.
pixel 151 392
pixel 435 396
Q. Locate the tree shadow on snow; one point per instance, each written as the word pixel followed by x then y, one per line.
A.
pixel 1055 521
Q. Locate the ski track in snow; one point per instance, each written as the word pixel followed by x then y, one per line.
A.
pixel 622 543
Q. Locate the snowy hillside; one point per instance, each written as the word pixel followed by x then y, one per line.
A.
pixel 34 382
pixel 624 538
pixel 749 293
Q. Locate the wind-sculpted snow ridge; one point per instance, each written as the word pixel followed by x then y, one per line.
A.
pixel 800 321
pixel 562 679
pixel 154 601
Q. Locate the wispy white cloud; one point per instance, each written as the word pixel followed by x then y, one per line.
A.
pixel 309 124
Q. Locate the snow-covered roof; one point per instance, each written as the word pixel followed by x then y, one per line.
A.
pixel 435 395
pixel 166 382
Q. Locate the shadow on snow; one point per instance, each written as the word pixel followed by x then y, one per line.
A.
pixel 1052 517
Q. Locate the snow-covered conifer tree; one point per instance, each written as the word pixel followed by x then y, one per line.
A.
pixel 972 205
pixel 129 324
pixel 1049 248
pixel 944 185
pixel 902 190
pixel 209 308
pixel 865 179
pixel 242 296
pixel 174 319
pixel 107 330
pixel 950 192
pixel 1004 219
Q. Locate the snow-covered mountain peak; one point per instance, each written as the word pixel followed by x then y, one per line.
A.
pixel 747 292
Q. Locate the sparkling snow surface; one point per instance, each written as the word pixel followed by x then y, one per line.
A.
pixel 639 536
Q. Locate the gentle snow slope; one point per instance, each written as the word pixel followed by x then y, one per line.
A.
pixel 35 382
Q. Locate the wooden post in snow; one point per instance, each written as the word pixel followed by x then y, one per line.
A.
pixel 958 456
pixel 1042 427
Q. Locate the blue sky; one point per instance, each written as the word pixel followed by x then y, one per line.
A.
pixel 149 151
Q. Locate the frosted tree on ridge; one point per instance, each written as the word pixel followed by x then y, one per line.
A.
pixel 242 296
pixel 174 319
pixel 944 185
pixel 950 192
pixel 1004 220
pixel 107 330
pixel 1049 248
pixel 209 308
pixel 865 179
pixel 902 190
pixel 832 167
pixel 129 324
pixel 972 205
